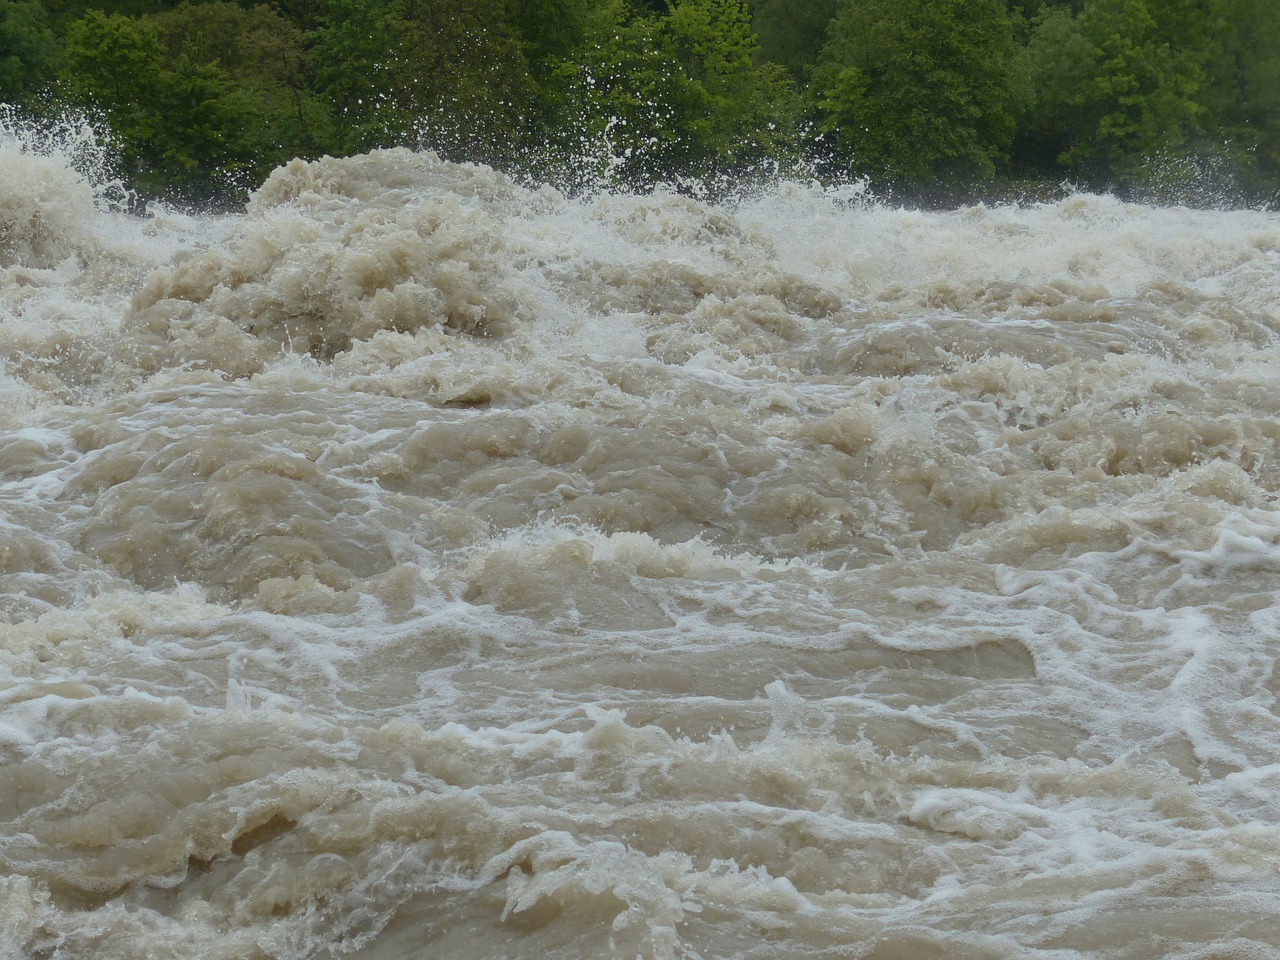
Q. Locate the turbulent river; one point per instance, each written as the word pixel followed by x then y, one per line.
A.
pixel 421 565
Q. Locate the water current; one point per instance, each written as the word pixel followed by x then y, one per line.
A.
pixel 418 564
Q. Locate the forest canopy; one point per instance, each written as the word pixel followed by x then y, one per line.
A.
pixel 928 98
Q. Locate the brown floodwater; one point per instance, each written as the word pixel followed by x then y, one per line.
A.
pixel 424 565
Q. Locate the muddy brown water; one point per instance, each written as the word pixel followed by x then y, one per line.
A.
pixel 420 565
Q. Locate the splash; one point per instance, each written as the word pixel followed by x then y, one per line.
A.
pixel 73 247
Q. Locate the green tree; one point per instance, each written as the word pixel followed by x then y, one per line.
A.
pixel 629 91
pixel 792 33
pixel 1113 85
pixel 28 50
pixel 1030 9
pixel 185 128
pixel 360 48
pixel 676 93
pixel 1241 89
pixel 552 29
pixel 748 106
pixel 68 10
pixel 264 57
pixel 472 82
pixel 395 71
pixel 918 91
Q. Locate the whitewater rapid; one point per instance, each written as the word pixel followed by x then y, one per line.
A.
pixel 420 564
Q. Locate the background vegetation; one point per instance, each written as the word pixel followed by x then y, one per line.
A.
pixel 930 99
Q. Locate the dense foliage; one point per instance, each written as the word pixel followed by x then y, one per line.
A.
pixel 938 97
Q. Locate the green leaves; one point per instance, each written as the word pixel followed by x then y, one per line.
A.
pixel 191 127
pixel 791 34
pixel 1115 86
pixel 28 51
pixel 936 96
pixel 918 90
pixel 1241 87
pixel 396 71
pixel 674 94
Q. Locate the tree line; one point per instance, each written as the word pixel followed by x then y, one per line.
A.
pixel 931 98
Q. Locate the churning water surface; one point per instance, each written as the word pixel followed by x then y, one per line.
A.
pixel 421 565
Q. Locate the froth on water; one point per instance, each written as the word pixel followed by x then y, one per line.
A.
pixel 420 564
